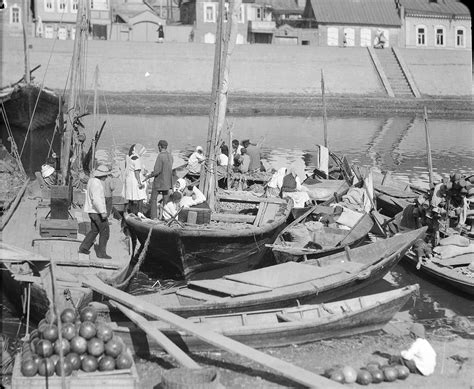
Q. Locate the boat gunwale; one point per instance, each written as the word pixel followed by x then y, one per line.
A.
pixel 217 230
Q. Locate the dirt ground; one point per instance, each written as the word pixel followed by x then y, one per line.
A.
pixel 162 103
pixel 454 369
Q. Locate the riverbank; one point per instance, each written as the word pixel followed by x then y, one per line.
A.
pixel 242 104
pixel 237 372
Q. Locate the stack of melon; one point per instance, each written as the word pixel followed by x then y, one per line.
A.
pixel 87 344
pixel 373 372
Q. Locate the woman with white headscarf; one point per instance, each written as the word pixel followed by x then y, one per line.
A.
pixel 134 186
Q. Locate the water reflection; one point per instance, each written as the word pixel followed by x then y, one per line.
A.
pixel 389 143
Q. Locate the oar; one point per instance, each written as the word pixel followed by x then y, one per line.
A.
pixel 181 357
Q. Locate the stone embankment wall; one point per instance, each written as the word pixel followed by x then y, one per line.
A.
pixel 255 69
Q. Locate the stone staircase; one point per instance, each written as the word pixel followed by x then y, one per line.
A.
pixel 394 73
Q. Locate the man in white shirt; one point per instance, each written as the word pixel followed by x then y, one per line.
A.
pixel 95 206
pixel 195 161
pixel 420 357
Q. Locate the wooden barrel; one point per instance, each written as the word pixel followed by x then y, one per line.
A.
pixel 184 378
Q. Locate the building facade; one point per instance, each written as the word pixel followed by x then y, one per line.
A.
pixel 56 19
pixel 347 23
pixel 435 24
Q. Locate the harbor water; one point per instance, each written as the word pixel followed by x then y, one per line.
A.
pixel 394 143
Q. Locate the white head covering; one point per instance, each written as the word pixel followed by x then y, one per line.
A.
pixel 46 170
pixel 139 149
pixel 180 184
pixel 199 148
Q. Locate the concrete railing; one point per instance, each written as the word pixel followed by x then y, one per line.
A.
pixel 380 71
pixel 406 72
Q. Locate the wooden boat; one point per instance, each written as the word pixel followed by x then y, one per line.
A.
pixel 25 262
pixel 45 229
pixel 281 326
pixel 315 244
pixel 287 284
pixel 226 243
pixel 29 114
pixel 229 234
pixel 452 272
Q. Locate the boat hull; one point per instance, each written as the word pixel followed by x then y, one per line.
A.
pixel 448 277
pixel 263 330
pixel 199 253
pixel 19 109
pixel 306 283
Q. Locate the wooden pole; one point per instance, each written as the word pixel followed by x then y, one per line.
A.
pixel 229 162
pixel 282 368
pixel 181 357
pixel 75 82
pixel 428 149
pixel 25 42
pixel 57 313
pixel 94 119
pixel 220 86
pixel 325 117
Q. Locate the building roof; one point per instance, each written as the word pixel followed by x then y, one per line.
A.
pixel 282 6
pixel 129 10
pixel 435 7
pixel 361 12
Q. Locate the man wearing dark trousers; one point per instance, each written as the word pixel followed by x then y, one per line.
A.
pixel 95 206
pixel 163 177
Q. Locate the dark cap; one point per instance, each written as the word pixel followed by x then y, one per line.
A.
pixel 163 143
pixel 245 141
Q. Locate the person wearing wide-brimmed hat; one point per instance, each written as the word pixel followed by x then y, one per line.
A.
pixel 95 206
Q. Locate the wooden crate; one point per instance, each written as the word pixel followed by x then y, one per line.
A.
pixel 58 228
pixel 78 379
pixel 197 214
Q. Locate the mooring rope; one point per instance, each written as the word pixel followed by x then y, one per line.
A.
pixel 137 266
pixel 14 147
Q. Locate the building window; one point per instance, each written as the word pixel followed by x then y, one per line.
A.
pixel 440 36
pixel 48 5
pixel 48 32
pixel 421 36
pixel 241 14
pixel 460 37
pixel 260 13
pixel 209 13
pixel 62 5
pixel 365 37
pixel 74 6
pixel 333 36
pixel 226 12
pixel 100 5
pixel 15 15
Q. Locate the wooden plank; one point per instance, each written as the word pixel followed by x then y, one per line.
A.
pixel 245 198
pixel 261 211
pixel 285 274
pixel 197 295
pixel 282 368
pixel 270 214
pixel 228 287
pixel 460 260
pixel 179 355
pixel 232 218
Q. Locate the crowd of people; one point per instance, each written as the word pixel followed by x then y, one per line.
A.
pixel 165 193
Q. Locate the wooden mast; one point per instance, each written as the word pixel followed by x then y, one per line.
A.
pixel 76 80
pixel 25 42
pixel 325 116
pixel 428 149
pixel 225 43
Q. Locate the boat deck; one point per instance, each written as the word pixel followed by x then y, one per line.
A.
pixel 23 231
